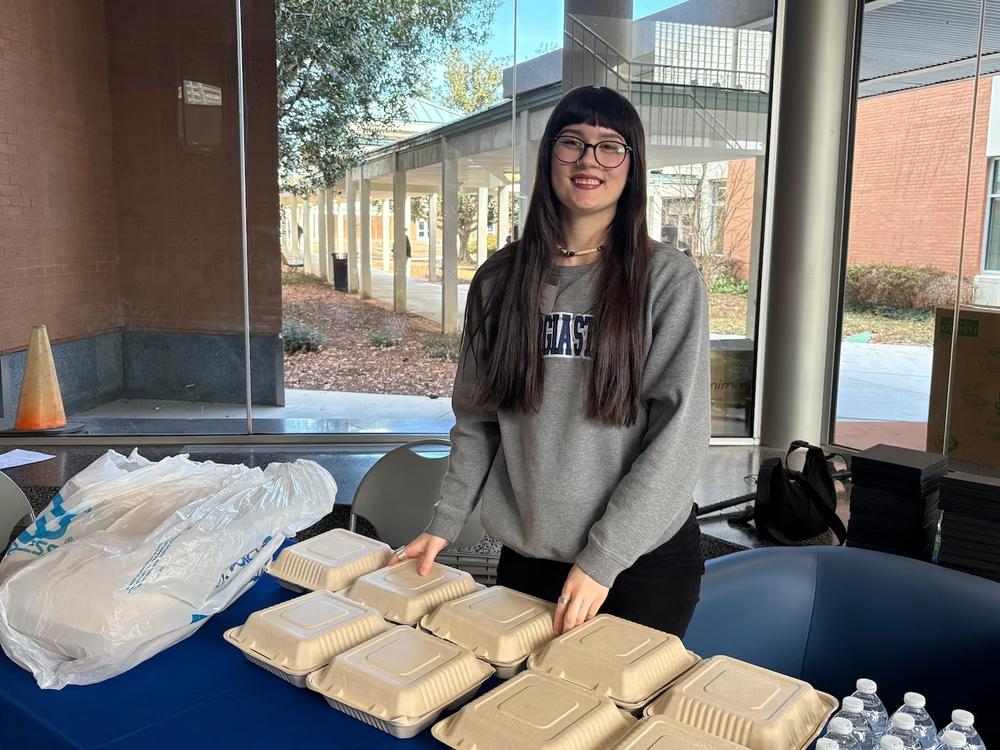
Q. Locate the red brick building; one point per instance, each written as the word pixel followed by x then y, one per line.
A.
pixel 908 180
pixel 120 222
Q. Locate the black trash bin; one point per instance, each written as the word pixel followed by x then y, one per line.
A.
pixel 339 272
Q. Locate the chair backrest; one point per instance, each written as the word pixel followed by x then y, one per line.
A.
pixel 398 494
pixel 830 615
pixel 14 507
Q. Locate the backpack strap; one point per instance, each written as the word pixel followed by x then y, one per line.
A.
pixel 829 514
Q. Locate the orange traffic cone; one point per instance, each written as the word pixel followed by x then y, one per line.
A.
pixel 40 407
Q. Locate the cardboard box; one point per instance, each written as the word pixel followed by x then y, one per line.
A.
pixel 975 405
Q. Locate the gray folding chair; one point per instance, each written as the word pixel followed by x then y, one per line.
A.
pixel 398 494
pixel 15 511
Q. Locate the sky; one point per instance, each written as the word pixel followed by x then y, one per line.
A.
pixel 540 24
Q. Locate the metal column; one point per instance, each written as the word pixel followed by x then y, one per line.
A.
pixel 814 92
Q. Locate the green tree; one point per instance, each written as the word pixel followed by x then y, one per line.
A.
pixel 348 68
pixel 471 82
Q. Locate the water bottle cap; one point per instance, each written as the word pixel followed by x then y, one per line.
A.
pixel 853 704
pixel 888 742
pixel 903 721
pixel 840 725
pixel 914 700
pixel 962 717
pixel 953 738
pixel 866 686
pixel 826 743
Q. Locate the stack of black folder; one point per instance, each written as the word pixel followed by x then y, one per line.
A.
pixel 970 527
pixel 894 500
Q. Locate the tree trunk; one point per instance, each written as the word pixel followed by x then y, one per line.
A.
pixel 464 255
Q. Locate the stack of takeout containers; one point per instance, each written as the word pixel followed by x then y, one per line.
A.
pixel 499 625
pixel 661 733
pixel 403 596
pixel 300 636
pixel 533 711
pixel 747 705
pixel 400 681
pixel 970 529
pixel 332 561
pixel 624 661
pixel 894 500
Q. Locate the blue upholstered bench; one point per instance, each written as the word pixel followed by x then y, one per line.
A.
pixel 829 615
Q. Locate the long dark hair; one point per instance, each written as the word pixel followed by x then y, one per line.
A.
pixel 503 313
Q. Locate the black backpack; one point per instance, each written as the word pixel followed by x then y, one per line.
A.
pixel 793 506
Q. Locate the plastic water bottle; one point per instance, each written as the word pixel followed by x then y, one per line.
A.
pixel 902 726
pixel 961 721
pixel 825 743
pixel 841 731
pixel 874 711
pixel 852 709
pixel 914 705
pixel 952 740
pixel 888 742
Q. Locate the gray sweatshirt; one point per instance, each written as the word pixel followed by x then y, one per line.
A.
pixel 559 485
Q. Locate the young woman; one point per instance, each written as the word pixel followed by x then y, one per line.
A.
pixel 582 397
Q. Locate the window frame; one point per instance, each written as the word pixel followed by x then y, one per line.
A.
pixel 993 172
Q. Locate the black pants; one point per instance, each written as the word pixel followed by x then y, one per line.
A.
pixel 660 590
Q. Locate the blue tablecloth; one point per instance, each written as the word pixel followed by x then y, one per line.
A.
pixel 200 693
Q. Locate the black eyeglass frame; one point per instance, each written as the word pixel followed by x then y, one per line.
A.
pixel 555 142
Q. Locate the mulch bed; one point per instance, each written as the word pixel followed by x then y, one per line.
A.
pixel 348 361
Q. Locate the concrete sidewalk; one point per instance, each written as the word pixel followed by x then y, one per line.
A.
pixel 423 297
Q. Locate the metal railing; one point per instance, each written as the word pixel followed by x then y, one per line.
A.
pixel 676 102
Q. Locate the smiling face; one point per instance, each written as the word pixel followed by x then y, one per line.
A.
pixel 586 187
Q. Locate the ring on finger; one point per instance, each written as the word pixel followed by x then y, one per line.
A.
pixel 400 553
pixel 562 600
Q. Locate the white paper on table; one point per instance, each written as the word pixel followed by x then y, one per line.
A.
pixel 18 457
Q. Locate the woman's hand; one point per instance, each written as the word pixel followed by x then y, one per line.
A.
pixel 584 597
pixel 425 547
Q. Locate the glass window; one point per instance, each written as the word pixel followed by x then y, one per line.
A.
pixel 909 202
pixel 120 219
pixel 380 181
pixel 991 255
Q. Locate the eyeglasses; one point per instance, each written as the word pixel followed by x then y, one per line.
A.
pixel 609 154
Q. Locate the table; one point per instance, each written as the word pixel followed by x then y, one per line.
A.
pixel 200 693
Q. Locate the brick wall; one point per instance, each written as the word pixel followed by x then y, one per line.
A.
pixel 58 256
pixel 738 214
pixel 908 184
pixel 107 219
pixel 177 166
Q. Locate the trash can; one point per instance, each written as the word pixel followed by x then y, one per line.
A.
pixel 339 272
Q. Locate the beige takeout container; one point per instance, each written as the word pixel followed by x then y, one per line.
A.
pixel 404 596
pixel 746 704
pixel 627 662
pixel 534 712
pixel 302 635
pixel 499 625
pixel 332 561
pixel 661 733
pixel 401 680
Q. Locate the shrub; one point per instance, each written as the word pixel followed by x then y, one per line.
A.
pixel 444 346
pixel 883 285
pixel 385 337
pixel 726 284
pixel 297 277
pixel 299 337
pixel 722 273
